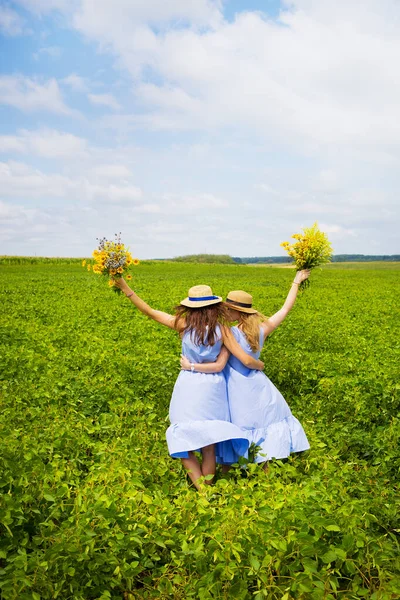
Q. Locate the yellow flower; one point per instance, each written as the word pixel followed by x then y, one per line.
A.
pixel 129 277
pixel 84 263
pixel 88 267
pixel 311 249
pixel 112 252
pixel 136 261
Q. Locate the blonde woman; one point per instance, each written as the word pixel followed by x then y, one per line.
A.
pixel 255 403
pixel 199 411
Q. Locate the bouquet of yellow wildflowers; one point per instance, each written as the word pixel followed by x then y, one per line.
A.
pixel 112 259
pixel 311 249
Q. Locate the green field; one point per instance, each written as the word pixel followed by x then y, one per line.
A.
pixel 92 507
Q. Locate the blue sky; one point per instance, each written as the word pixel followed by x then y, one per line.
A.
pixel 198 126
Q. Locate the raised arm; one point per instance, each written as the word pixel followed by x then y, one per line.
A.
pixel 235 349
pixel 276 319
pixel 213 367
pixel 156 315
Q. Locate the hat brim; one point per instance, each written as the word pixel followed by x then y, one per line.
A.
pixel 194 304
pixel 249 311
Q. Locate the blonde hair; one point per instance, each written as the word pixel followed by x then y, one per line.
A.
pixel 250 325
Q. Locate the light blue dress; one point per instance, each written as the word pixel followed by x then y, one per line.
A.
pixel 259 408
pixel 199 410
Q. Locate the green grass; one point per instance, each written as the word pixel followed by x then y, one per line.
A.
pixel 91 505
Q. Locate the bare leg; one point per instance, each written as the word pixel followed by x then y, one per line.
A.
pixel 208 466
pixel 265 466
pixel 226 468
pixel 193 469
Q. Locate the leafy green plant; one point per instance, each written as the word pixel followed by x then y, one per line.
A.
pixel 91 505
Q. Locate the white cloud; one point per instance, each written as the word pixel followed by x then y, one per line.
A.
pixel 11 213
pixel 18 180
pixel 266 188
pixel 114 193
pixel 104 100
pixel 107 21
pixel 40 7
pixel 192 203
pixel 327 77
pixel 11 144
pixel 327 181
pixel 51 51
pixel 77 83
pixel 148 209
pixel 24 229
pixel 337 232
pixel 29 95
pixel 111 171
pixel 283 123
pixel 10 21
pixel 47 143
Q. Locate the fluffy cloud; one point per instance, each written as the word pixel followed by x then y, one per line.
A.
pixel 18 180
pixel 104 100
pixel 105 21
pixel 13 214
pixel 237 133
pixel 50 51
pixel 192 203
pixel 75 82
pixel 46 143
pixel 10 21
pixel 111 171
pixel 41 7
pixel 320 76
pixel 30 229
pixel 29 95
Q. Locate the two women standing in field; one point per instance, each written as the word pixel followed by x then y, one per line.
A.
pixel 255 403
pixel 217 408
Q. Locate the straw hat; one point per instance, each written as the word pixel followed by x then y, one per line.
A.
pixel 241 301
pixel 200 295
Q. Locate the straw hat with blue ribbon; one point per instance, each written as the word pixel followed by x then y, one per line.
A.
pixel 199 296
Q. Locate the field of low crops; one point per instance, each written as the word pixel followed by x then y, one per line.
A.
pixel 91 505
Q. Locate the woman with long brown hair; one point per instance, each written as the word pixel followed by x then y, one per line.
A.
pixel 199 411
pixel 255 404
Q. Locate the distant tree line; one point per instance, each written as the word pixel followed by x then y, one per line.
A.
pixel 246 260
pixel 33 260
pixel 335 258
pixel 365 257
pixel 223 259
pixel 261 259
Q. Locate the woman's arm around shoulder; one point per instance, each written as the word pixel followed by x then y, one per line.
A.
pixel 157 315
pixel 235 349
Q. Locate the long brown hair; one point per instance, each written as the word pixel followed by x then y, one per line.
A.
pixel 202 322
pixel 250 325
